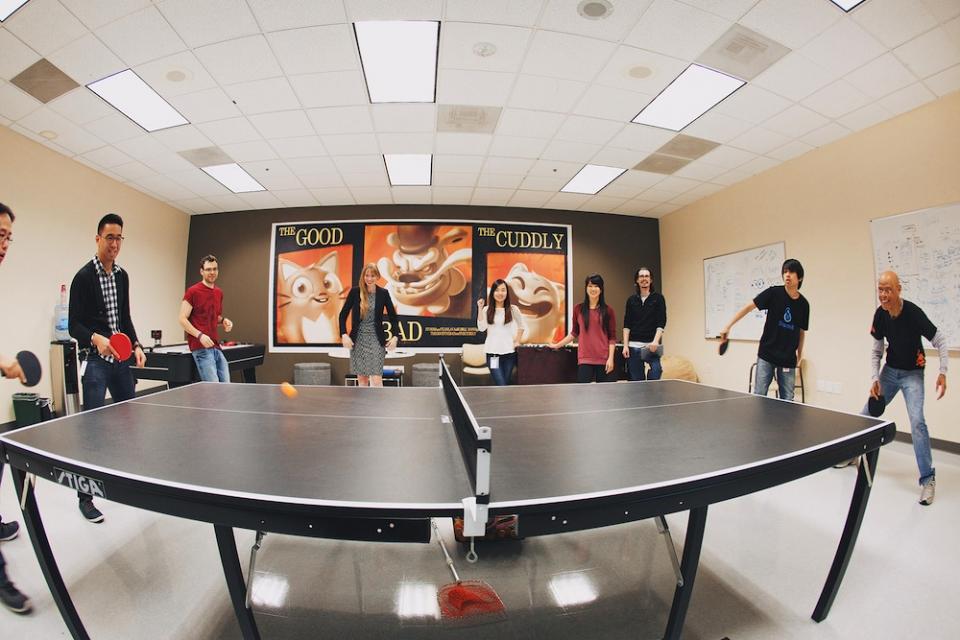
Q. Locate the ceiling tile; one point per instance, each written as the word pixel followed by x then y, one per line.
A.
pixel 69 135
pixel 759 140
pixel 107 156
pixel 451 195
pixel 411 195
pixel 260 200
pixel 296 197
pixel 641 71
pixel 349 144
pixel 205 106
pixel 209 21
pixel 87 60
pixel 454 179
pixel 15 104
pixel 716 126
pixel 81 106
pixel 274 16
pixel 405 142
pixel 394 10
pixel 588 130
pixel 458 164
pixel 315 49
pixel 881 76
pixel 522 13
pixel 344 119
pixel 614 157
pixel 250 151
pixel 333 196
pixel 176 75
pixel 499 180
pixel 789 22
pixel 567 201
pixel 44 25
pixel 526 198
pixel 677 29
pixel 334 89
pixel 945 82
pixel 372 195
pixel 361 164
pixel 230 130
pixel 893 22
pixel 728 157
pixel 932 52
pixel 16 55
pixel 790 150
pixel 558 169
pixel 485 88
pixel 272 174
pixel 142 147
pixel 795 77
pixel 823 136
pixel 301 147
pixel 486 196
pixel 795 121
pixel 460 43
pixel 864 117
pixel 569 57
pixel 546 94
pixel 282 124
pixel 907 99
pixel 836 99
pixel 96 14
pixel 141 37
pixel 114 128
pixel 406 118
pixel 560 15
pixel 495 164
pixel 752 104
pixel 468 144
pixel 262 96
pixel 240 60
pixel 843 47
pixel 611 103
pixel 570 151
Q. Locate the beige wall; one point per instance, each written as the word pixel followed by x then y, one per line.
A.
pixel 821 204
pixel 58 203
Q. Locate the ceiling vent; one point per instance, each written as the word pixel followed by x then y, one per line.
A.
pixel 44 81
pixel 206 156
pixel 742 53
pixel 462 118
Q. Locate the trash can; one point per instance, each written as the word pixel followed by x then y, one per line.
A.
pixel 426 374
pixel 311 373
pixel 28 408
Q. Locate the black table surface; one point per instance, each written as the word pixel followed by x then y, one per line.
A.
pixel 388 448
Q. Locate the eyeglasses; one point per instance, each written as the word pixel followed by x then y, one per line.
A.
pixel 6 238
pixel 112 238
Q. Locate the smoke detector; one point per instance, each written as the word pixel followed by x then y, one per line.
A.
pixel 595 9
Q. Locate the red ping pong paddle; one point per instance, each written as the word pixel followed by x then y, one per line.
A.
pixel 30 367
pixel 122 345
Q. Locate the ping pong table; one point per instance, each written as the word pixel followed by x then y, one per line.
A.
pixel 376 464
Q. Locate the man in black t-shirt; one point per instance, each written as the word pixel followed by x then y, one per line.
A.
pixel 781 344
pixel 902 323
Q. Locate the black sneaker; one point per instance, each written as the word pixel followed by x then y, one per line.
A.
pixel 14 600
pixel 9 530
pixel 90 512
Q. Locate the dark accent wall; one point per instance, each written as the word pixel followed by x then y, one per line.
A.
pixel 611 245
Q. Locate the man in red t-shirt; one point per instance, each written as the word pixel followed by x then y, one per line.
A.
pixel 201 311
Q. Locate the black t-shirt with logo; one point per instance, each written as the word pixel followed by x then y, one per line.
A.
pixel 904 349
pixel 786 317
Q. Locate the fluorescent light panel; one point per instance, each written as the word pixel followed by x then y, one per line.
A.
pixel 137 100
pixel 591 179
pixel 693 93
pixel 571 589
pixel 233 177
pixel 399 59
pixel 409 168
pixel 7 7
pixel 846 5
pixel 417 600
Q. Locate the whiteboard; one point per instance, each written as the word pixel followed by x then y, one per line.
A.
pixel 731 281
pixel 923 247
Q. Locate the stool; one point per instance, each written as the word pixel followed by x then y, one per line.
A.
pixel 317 373
pixel 426 374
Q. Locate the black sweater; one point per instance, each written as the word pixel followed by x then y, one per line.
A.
pixel 644 317
pixel 88 310
pixel 382 301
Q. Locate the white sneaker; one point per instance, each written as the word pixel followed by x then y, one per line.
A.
pixel 927 491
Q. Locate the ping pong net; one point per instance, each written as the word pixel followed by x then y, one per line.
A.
pixel 475 446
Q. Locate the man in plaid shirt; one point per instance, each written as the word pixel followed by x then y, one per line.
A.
pixel 99 308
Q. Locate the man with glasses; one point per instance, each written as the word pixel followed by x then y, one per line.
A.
pixel 644 320
pixel 201 312
pixel 99 308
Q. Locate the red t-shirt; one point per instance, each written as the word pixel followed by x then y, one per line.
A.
pixel 207 303
pixel 594 341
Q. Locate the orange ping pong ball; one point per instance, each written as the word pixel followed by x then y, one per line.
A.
pixel 288 390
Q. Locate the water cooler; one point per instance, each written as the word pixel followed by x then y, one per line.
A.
pixel 64 377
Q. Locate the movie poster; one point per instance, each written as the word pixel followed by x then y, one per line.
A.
pixel 435 272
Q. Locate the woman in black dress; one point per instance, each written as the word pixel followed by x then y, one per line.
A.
pixel 367 340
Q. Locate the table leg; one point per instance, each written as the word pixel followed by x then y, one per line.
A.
pixel 249 375
pixel 235 584
pixel 858 505
pixel 48 564
pixel 696 524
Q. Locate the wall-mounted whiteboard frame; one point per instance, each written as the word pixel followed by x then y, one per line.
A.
pixel 732 280
pixel 923 247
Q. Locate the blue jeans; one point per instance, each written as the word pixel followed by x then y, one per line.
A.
pixel 502 374
pixel 638 361
pixel 786 379
pixel 212 365
pixel 910 382
pixel 101 375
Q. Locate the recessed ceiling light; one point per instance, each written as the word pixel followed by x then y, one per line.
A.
pixel 846 5
pixel 7 7
pixel 137 100
pixel 177 75
pixel 484 49
pixel 640 72
pixel 693 93
pixel 595 9
pixel 49 135
pixel 409 168
pixel 399 59
pixel 233 177
pixel 591 179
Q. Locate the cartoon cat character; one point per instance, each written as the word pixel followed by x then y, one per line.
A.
pixel 310 301
pixel 541 301
pixel 422 274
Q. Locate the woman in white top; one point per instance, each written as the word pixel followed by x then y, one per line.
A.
pixel 505 328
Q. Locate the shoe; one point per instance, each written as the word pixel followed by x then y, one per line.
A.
pixel 852 462
pixel 90 512
pixel 9 530
pixel 14 600
pixel 927 491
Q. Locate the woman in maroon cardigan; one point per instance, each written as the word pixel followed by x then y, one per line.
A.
pixel 595 328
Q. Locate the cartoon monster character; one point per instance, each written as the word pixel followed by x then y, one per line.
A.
pixel 310 301
pixel 541 301
pixel 422 274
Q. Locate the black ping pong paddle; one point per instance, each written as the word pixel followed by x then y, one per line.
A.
pixel 724 344
pixel 30 367
pixel 875 406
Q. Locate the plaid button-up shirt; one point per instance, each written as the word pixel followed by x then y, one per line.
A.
pixel 108 285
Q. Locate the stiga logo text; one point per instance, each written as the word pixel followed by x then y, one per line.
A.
pixel 79 483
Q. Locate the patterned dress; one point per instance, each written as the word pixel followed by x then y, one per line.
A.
pixel 366 357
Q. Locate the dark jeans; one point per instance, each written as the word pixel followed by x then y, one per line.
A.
pixel 99 376
pixel 639 358
pixel 502 374
pixel 594 373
